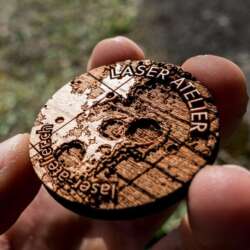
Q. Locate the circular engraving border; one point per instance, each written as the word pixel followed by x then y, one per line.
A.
pixel 57 137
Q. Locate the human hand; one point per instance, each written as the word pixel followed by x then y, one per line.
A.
pixel 218 200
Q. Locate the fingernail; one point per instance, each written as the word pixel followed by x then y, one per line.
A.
pixel 117 39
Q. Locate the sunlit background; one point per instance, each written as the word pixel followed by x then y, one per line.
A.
pixel 43 44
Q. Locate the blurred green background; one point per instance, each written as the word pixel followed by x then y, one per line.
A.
pixel 43 44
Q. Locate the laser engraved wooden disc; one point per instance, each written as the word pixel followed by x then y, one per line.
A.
pixel 123 140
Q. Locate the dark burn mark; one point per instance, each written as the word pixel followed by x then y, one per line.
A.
pixel 59 119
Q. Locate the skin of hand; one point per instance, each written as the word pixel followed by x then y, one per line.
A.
pixel 218 200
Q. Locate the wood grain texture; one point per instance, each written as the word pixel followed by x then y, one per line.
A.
pixel 121 139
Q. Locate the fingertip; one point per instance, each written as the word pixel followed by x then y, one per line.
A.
pixel 112 50
pixel 227 84
pixel 219 205
pixel 18 182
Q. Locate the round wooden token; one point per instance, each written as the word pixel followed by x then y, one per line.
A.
pixel 124 140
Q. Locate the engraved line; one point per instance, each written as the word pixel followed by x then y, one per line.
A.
pixel 154 165
pixel 138 176
pixel 135 186
pixel 147 170
pixel 117 88
pixel 33 146
pixel 104 84
pixel 190 148
pixel 33 156
pixel 165 172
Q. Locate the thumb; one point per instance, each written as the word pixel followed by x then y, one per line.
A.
pixel 18 182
